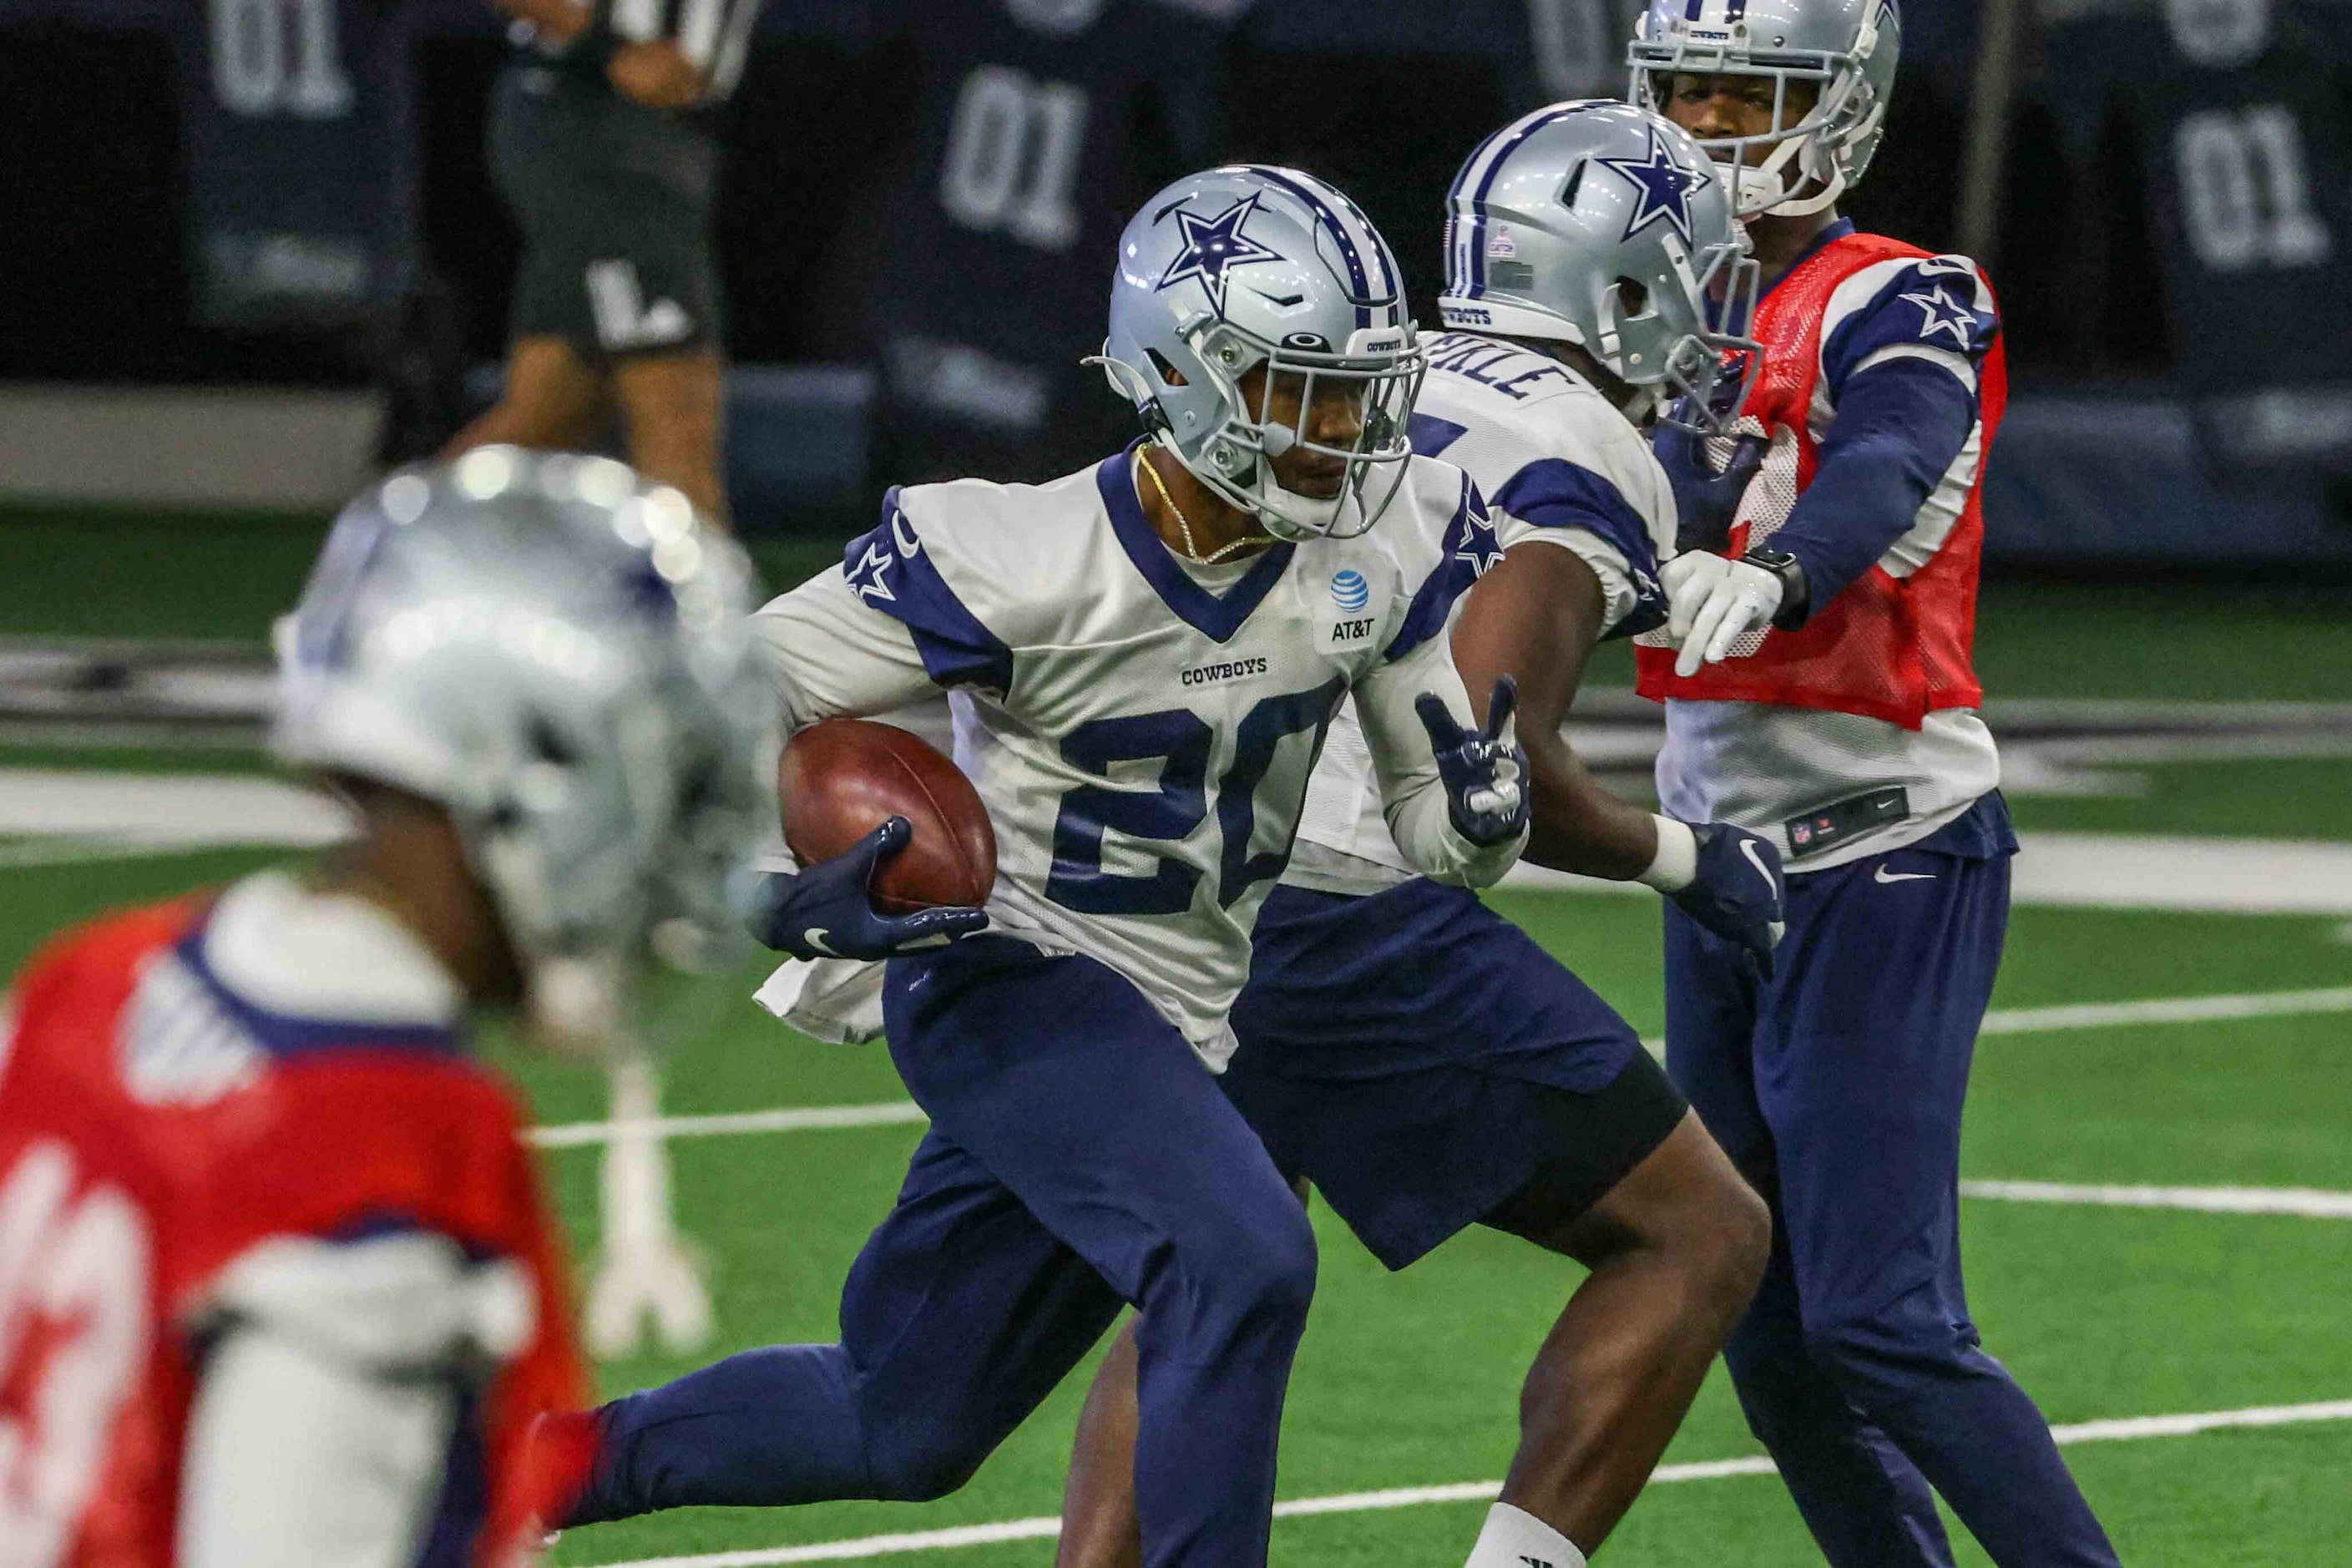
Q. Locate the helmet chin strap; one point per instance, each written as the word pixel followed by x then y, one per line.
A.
pixel 1763 191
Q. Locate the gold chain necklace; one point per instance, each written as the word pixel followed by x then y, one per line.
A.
pixel 1192 551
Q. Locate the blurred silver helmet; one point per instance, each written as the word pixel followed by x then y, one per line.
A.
pixel 1247 266
pixel 1847 48
pixel 558 653
pixel 1602 225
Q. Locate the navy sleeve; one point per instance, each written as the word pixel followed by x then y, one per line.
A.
pixel 1898 430
pixel 1931 304
pixel 1471 551
pixel 889 570
pixel 1556 493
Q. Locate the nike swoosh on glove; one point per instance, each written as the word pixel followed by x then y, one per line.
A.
pixel 1482 769
pixel 826 910
pixel 1712 604
pixel 1739 892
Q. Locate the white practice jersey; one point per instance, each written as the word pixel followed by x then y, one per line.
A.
pixel 1142 741
pixel 1558 464
pixel 1763 765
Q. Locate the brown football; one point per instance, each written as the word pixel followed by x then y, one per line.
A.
pixel 842 779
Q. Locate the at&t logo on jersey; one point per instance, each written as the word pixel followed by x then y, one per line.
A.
pixel 1351 594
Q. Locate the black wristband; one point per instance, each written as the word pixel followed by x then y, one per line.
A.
pixel 1796 590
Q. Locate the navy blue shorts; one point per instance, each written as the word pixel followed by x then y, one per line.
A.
pixel 1422 1061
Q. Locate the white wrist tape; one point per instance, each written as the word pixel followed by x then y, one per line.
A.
pixel 1677 861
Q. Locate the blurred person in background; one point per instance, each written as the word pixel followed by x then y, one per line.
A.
pixel 1042 124
pixel 602 141
pixel 1816 670
pixel 277 1284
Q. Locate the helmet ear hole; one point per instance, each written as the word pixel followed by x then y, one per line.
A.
pixel 1167 372
pixel 1633 298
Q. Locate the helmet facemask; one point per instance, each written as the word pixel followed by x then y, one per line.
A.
pixel 1346 408
pixel 1709 370
pixel 1804 163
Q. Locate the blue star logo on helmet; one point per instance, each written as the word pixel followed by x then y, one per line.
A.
pixel 1662 188
pixel 1210 246
pixel 1350 591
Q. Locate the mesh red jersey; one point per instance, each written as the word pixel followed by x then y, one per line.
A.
pixel 155 1129
pixel 1896 644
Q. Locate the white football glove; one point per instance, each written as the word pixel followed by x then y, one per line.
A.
pixel 1712 602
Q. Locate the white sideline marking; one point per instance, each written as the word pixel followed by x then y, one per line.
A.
pixel 796 1119
pixel 2126 871
pixel 97 815
pixel 2125 1429
pixel 2003 1021
pixel 2307 1203
pixel 2166 1010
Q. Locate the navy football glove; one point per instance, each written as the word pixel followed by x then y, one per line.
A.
pixel 1737 891
pixel 1482 770
pixel 1706 503
pixel 824 911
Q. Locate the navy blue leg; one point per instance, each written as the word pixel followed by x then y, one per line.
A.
pixel 1866 1505
pixel 1862 1067
pixel 1862 1500
pixel 1091 1109
pixel 959 1315
pixel 1079 1155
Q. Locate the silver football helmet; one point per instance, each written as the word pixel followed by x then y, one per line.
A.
pixel 558 653
pixel 1602 225
pixel 1846 48
pixel 1246 267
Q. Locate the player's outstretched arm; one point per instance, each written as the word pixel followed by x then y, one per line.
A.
pixel 1538 615
pixel 1451 786
pixel 1541 612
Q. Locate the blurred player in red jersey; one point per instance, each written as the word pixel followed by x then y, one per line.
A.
pixel 1819 690
pixel 278 1285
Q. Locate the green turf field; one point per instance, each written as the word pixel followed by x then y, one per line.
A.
pixel 2105 1313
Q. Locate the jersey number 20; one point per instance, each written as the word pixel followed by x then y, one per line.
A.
pixel 1182 739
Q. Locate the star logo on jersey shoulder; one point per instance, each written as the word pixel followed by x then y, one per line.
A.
pixel 1662 188
pixel 1210 246
pixel 866 579
pixel 1941 313
pixel 1481 549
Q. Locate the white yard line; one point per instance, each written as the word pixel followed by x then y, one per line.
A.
pixel 2307 1203
pixel 2001 1021
pixel 2165 1010
pixel 2123 1430
pixel 797 1119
